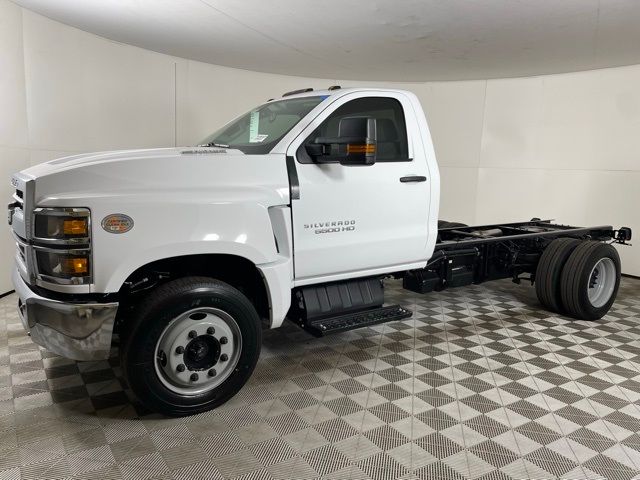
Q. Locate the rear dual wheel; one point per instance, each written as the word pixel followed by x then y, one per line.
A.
pixel 590 280
pixel 549 271
pixel 578 278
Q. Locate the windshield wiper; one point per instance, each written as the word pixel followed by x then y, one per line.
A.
pixel 213 144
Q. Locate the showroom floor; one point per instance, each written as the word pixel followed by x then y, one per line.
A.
pixel 479 383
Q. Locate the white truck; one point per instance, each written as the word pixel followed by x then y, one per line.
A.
pixel 297 209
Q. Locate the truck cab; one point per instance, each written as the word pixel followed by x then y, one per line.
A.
pixel 311 188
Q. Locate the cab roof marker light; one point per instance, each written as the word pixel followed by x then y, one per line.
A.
pixel 334 87
pixel 295 92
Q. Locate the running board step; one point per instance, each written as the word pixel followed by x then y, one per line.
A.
pixel 350 321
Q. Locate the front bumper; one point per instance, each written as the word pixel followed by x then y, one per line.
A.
pixel 80 331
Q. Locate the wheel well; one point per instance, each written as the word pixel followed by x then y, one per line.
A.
pixel 237 271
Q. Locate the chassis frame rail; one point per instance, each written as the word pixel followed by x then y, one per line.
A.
pixel 475 254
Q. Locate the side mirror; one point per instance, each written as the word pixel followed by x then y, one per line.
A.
pixel 354 145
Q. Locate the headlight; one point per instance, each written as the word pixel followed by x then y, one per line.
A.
pixel 62 245
pixel 62 226
pixel 65 264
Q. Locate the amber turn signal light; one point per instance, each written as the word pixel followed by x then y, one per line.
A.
pixel 366 148
pixel 75 227
pixel 76 266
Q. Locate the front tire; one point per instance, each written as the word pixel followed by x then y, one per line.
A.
pixel 193 343
pixel 590 280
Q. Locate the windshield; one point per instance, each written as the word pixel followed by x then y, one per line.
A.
pixel 258 131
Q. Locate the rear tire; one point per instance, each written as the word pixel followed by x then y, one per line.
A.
pixel 549 271
pixel 590 280
pixel 192 344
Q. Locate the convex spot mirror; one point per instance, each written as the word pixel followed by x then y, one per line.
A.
pixel 354 145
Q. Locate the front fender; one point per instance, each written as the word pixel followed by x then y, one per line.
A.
pixel 165 230
pixel 113 280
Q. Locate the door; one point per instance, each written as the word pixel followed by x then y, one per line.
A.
pixel 352 221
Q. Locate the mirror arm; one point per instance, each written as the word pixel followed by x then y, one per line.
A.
pixel 315 149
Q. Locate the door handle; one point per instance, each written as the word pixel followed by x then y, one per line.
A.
pixel 413 178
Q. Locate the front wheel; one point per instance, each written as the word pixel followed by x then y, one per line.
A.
pixel 193 344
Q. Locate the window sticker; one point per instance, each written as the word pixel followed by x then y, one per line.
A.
pixel 254 123
pixel 261 137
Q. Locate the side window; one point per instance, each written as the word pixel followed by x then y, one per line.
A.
pixel 391 126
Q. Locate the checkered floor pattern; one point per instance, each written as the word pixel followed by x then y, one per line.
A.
pixel 480 383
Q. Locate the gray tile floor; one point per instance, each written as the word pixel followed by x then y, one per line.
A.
pixel 480 383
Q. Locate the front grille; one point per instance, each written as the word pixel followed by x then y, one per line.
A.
pixel 30 247
pixel 22 252
pixel 22 198
pixel 18 196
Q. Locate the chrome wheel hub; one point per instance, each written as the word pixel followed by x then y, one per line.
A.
pixel 197 351
pixel 602 281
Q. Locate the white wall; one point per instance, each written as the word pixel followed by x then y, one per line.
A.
pixel 14 142
pixel 562 146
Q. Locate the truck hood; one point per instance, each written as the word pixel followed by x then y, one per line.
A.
pixel 220 174
pixel 96 158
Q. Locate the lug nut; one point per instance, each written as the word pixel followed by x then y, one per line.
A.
pixel 211 330
pixel 224 357
pixel 193 334
pixel 212 373
pixel 223 340
pixel 194 377
pixel 180 350
pixel 180 367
